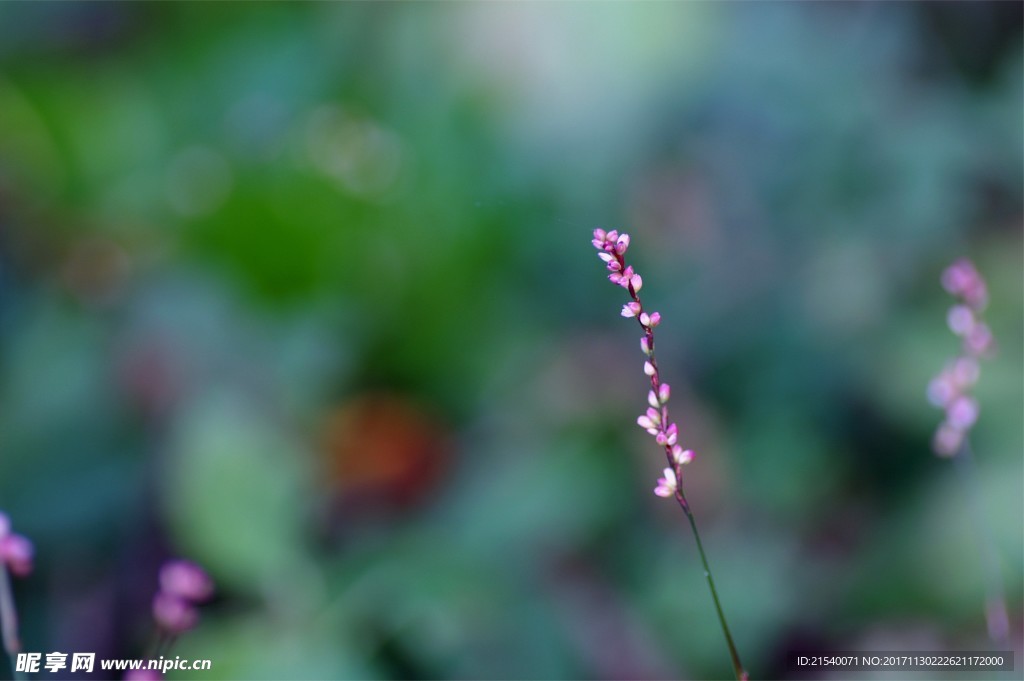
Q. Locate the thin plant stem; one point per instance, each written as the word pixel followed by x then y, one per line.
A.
pixel 656 420
pixel 737 666
pixel 9 622
pixel 995 600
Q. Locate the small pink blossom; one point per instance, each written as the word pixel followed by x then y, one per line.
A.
pixel 186 580
pixel 965 372
pixel 645 345
pixel 681 456
pixel 649 369
pixel 16 551
pixel 636 282
pixel 645 319
pixel 666 484
pixel 941 390
pixel 962 412
pixel 664 391
pixel 174 614
pixel 979 339
pixel 947 440
pixel 621 244
pixel 652 399
pixel 646 423
pixel 631 309
pixel 654 320
pixel 960 320
pixel 963 280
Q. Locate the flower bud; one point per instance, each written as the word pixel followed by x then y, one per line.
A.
pixel 186 580
pixel 621 244
pixel 666 484
pixel 681 456
pixel 960 320
pixel 173 614
pixel 18 552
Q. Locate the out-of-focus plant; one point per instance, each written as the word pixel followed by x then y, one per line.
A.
pixel 16 553
pixel 612 248
pixel 183 585
pixel 951 391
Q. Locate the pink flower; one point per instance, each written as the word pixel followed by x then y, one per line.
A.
pixel 960 320
pixel 950 389
pixel 645 345
pixel 947 440
pixel 621 244
pixel 666 484
pixel 183 584
pixel 962 412
pixel 186 580
pixel 174 614
pixel 612 247
pixel 681 456
pixel 16 551
pixel 962 280
pixel 979 339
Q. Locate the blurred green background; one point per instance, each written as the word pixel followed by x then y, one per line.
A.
pixel 305 293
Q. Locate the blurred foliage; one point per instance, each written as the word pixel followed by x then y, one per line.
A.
pixel 304 292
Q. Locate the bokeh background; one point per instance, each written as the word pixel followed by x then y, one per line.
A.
pixel 305 293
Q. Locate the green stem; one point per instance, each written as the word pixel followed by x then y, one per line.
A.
pixel 9 622
pixel 995 606
pixel 737 666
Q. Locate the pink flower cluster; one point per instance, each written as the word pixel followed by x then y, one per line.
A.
pixel 950 390
pixel 183 585
pixel 16 551
pixel 612 248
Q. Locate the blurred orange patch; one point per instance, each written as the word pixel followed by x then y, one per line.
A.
pixel 385 447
